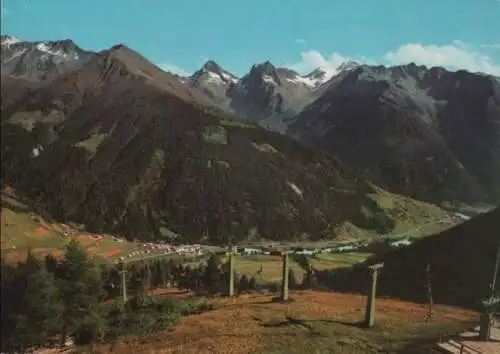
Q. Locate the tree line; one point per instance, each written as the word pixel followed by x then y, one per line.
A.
pixel 47 301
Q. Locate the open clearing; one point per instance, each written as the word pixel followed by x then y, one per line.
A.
pixel 268 269
pixel 316 322
pixel 272 266
pixel 23 229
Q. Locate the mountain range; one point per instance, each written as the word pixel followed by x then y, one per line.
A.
pixel 112 141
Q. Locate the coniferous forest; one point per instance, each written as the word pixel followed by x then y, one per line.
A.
pixel 47 301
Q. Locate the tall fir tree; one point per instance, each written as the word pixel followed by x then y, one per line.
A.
pixel 31 306
pixel 40 319
pixel 81 288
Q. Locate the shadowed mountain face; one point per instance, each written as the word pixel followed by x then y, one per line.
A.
pixel 425 133
pixel 12 89
pixel 459 262
pixel 122 146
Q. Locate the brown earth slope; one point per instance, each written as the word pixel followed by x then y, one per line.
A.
pixel 315 322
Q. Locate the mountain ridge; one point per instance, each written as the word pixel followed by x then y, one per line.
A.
pixel 430 120
pixel 114 147
pixel 427 133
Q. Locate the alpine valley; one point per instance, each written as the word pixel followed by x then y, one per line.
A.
pixel 109 140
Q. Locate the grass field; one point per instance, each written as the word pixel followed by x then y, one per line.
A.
pixel 23 229
pixel 315 322
pixel 271 266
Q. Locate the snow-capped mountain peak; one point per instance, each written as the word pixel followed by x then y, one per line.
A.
pixel 40 60
pixel 9 40
pixel 314 79
pixel 264 72
pixel 212 73
pixel 321 75
pixel 348 66
pixel 211 65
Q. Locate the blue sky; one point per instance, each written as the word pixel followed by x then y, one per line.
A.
pixel 182 34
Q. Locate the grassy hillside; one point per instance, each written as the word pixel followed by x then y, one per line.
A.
pixel 24 228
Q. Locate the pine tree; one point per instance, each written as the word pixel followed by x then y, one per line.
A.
pixel 50 263
pixel 11 284
pixel 212 275
pixel 81 288
pixel 135 278
pixel 40 318
pixel 31 307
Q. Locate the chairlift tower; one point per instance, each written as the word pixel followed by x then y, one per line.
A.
pixel 230 253
pixel 489 305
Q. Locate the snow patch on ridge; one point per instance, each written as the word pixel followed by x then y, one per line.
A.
pixel 294 187
pixel 46 49
pixel 9 40
pixel 269 79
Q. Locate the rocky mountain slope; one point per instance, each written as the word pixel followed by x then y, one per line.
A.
pixel 267 95
pixel 426 133
pixel 121 146
pixel 35 61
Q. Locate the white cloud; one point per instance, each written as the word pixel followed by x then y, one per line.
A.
pixel 454 56
pixel 174 69
pixel 300 40
pixel 313 59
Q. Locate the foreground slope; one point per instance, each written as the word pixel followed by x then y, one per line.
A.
pixel 462 261
pixel 315 322
pixel 120 147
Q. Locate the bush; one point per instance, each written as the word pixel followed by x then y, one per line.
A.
pixel 92 329
pixel 141 316
pixel 243 284
pixel 196 307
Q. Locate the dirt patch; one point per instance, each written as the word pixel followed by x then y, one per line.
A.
pixel 113 252
pixel 173 293
pixel 40 231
